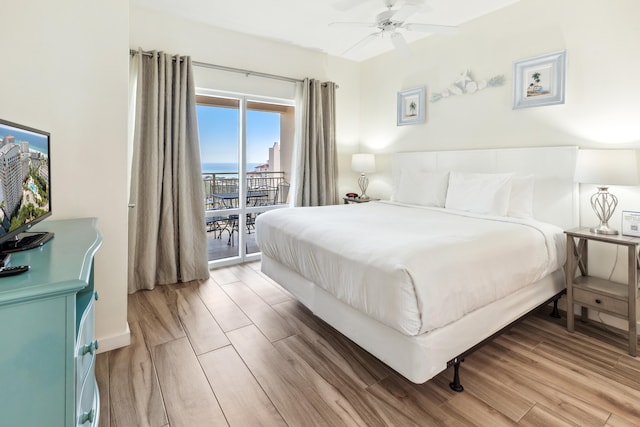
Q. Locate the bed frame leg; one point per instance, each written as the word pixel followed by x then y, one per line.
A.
pixel 455 384
pixel 555 313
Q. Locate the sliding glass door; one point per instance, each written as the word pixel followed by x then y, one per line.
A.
pixel 246 149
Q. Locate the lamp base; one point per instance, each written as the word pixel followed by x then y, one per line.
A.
pixel 603 204
pixel 363 182
pixel 603 229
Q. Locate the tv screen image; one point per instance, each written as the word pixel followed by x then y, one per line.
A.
pixel 24 184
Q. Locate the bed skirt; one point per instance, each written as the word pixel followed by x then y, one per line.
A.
pixel 421 357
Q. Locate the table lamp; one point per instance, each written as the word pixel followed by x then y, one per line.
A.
pixel 363 163
pixel 604 168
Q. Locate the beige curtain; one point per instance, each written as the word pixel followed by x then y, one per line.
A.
pixel 317 159
pixel 167 236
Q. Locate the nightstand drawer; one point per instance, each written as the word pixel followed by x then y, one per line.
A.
pixel 601 302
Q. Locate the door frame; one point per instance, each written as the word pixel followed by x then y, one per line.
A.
pixel 243 209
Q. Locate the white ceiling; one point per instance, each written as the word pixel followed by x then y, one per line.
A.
pixel 305 23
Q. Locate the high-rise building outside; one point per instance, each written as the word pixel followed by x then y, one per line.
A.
pixel 274 157
pixel 11 176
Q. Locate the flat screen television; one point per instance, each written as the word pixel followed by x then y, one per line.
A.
pixel 25 197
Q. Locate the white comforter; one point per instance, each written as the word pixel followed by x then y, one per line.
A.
pixel 415 269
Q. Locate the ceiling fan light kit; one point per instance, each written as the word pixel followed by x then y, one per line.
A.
pixel 390 22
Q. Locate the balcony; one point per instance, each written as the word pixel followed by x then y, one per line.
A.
pixel 218 246
pixel 263 189
pixel 221 191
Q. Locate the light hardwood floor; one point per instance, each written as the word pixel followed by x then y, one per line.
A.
pixel 238 350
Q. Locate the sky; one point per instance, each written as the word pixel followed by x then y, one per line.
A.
pixel 218 130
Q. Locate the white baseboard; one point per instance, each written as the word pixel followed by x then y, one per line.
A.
pixel 114 341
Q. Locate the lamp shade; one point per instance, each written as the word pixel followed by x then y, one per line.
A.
pixel 607 167
pixel 363 163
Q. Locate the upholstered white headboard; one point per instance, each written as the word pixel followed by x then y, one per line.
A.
pixel 555 192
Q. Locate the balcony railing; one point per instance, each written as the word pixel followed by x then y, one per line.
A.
pixel 263 189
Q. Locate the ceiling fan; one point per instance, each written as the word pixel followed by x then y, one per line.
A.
pixel 389 22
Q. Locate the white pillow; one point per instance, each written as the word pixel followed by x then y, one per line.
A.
pixel 482 193
pixel 421 188
pixel 521 198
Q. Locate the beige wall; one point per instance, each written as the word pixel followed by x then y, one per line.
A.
pixel 65 70
pixel 601 41
pixel 601 109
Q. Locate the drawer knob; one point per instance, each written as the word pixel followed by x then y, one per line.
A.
pixel 598 301
pixel 89 348
pixel 95 295
pixel 87 416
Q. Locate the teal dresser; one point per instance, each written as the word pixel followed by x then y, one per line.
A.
pixel 47 344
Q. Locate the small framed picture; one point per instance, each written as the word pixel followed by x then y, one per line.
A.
pixel 411 106
pixel 631 223
pixel 540 80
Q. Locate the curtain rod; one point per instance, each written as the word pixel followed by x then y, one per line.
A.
pixel 232 69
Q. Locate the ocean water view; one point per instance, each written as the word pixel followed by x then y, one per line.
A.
pixel 36 142
pixel 226 167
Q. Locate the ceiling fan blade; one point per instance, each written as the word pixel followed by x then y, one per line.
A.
pixel 343 5
pixel 353 24
pixel 400 44
pixel 362 43
pixel 429 28
pixel 405 12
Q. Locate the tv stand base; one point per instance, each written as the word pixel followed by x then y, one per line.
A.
pixel 26 241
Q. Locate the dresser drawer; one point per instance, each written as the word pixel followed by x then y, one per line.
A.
pixel 601 302
pixel 88 408
pixel 86 345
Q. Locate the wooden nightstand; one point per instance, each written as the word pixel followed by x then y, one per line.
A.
pixel 616 299
pixel 348 200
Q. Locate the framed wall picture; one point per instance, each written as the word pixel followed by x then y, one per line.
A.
pixel 411 106
pixel 540 80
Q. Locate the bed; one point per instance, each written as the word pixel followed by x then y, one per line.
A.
pixel 469 242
